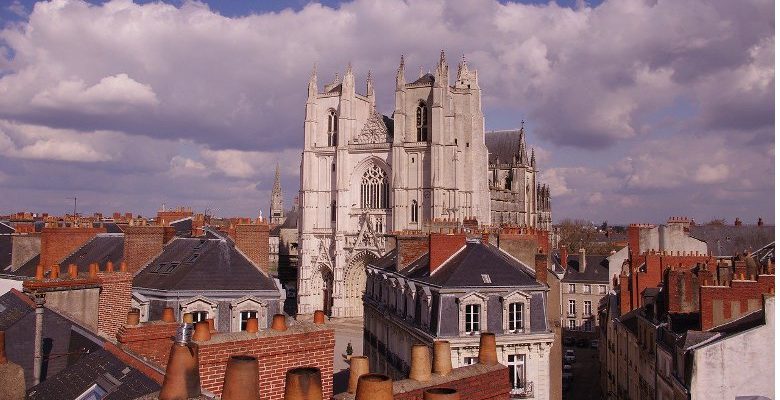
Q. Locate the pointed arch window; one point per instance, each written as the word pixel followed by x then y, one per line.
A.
pixel 333 211
pixel 415 211
pixel 333 128
pixel 374 188
pixel 422 122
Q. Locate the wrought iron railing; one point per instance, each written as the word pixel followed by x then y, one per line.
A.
pixel 524 392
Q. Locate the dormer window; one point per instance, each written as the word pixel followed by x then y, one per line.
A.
pixel 422 122
pixel 333 128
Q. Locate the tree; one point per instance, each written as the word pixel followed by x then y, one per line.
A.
pixel 578 233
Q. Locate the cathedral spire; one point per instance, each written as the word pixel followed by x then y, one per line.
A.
pixel 533 158
pixel 313 82
pixel 399 76
pixel 277 205
pixel 370 90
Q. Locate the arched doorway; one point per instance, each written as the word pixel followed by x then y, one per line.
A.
pixel 322 289
pixel 355 283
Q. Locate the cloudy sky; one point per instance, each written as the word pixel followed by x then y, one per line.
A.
pixel 638 109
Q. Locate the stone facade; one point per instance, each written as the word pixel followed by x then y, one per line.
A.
pixel 364 175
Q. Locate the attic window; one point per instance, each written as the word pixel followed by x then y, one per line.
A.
pixel 486 278
pixel 194 256
pixel 164 268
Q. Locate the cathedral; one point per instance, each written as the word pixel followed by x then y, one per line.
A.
pixel 364 176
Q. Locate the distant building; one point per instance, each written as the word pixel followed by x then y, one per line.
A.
pixel 585 282
pixel 450 288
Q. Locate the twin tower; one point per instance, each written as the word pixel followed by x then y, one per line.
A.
pixel 364 175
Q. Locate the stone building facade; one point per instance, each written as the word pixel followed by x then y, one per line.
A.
pixel 447 287
pixel 364 175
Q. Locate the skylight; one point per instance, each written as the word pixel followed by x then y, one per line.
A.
pixel 486 278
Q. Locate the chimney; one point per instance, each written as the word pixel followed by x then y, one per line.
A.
pixel 442 358
pixel 421 363
pixel 279 323
pixel 441 394
pixel 737 222
pixel 302 384
pixel 582 265
pixel 11 375
pixel 319 317
pixel 167 315
pixel 252 240
pixel 182 377
pixel 241 381
pixel 540 266
pixel 358 366
pixel 563 250
pixel 374 387
pixel 442 247
pixel 487 349
pixel 252 325
pixel 133 317
pixel 144 243
pixel 57 243
pixel 410 248
pixel 202 332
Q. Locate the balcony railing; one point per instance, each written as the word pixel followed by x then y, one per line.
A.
pixel 524 392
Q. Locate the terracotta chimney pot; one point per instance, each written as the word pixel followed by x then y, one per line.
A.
pixel 123 267
pixel 182 377
pixel 442 358
pixel 303 384
pixel 374 387
pixel 421 363
pixel 358 366
pixel 167 315
pixel 93 270
pixel 252 325
pixel 441 394
pixel 109 266
pixel 187 318
pixel 133 317
pixel 279 323
pixel 73 271
pixel 202 332
pixel 55 271
pixel 487 349
pixel 319 317
pixel 241 381
pixel 211 325
pixel 39 272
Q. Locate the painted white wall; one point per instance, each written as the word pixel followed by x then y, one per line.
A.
pixel 8 284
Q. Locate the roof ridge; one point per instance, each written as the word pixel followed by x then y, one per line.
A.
pixel 446 260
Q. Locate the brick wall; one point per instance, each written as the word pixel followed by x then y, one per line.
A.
pixel 114 301
pixel 443 246
pixel 682 288
pixel 720 304
pixel 152 340
pixel 57 243
pixel 473 382
pixel 410 248
pixel 252 240
pixel 143 243
pixel 276 354
pixel 655 264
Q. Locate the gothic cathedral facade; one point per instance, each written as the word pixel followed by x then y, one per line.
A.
pixel 364 176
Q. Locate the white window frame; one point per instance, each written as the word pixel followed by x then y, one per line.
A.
pixel 602 289
pixel 517 360
pixel 572 324
pixel 516 297
pixel 572 307
pixel 587 308
pixel 411 297
pixel 200 303
pixel 472 298
pixel 586 288
pixel 572 288
pixel 470 360
pixel 248 303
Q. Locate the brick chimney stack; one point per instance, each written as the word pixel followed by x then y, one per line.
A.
pixel 410 248
pixel 143 243
pixel 564 253
pixel 540 266
pixel 443 246
pixel 252 240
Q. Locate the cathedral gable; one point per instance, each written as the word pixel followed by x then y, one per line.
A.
pixel 374 130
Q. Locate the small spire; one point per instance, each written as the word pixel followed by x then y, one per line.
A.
pixel 422 71
pixel 441 57
pixel 402 62
pixel 533 157
pixel 349 68
pixel 336 79
pixel 314 71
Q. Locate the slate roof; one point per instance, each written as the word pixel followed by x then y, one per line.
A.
pixel 183 227
pixel 98 367
pixel 100 249
pixel 743 323
pixel 596 269
pixel 12 309
pixel 727 240
pixel 465 268
pixel 202 264
pixel 503 144
pixel 6 245
pixel 6 229
pixel 28 268
pixel 112 227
